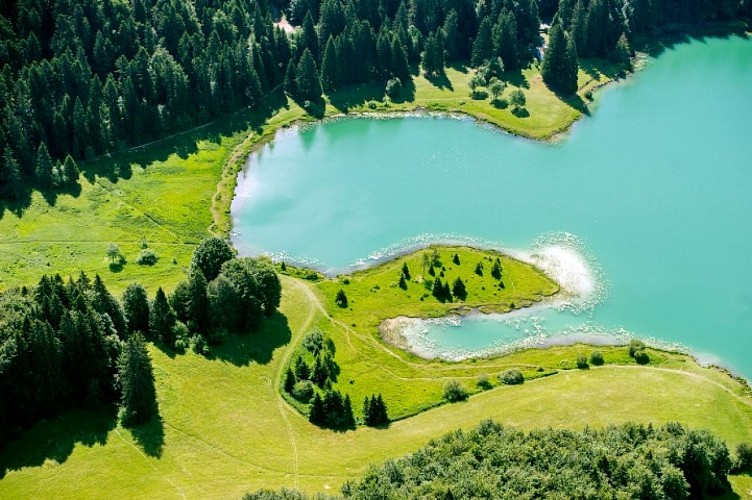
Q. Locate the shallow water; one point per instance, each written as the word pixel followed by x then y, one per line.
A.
pixel 656 187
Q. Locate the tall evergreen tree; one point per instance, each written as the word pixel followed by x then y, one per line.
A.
pixel 136 376
pixel 136 308
pixel 330 71
pixel 483 46
pixel 161 318
pixel 43 171
pixel 559 69
pixel 307 83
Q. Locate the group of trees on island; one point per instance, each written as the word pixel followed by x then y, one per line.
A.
pixel 71 343
pixel 494 461
pixel 79 79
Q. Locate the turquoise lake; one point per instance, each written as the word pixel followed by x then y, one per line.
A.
pixel 655 188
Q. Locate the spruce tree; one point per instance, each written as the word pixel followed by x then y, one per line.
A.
pixel 483 47
pixel 198 303
pixel 405 271
pixel 161 318
pixel 458 289
pixel 438 289
pixel 329 68
pixel 402 282
pixel 136 308
pixel 559 68
pixel 43 172
pixel 70 171
pixel 446 292
pixel 290 78
pixel 289 380
pixel 317 415
pixel 139 397
pixel 307 83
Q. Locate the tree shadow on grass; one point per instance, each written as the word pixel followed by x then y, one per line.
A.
pixel 356 95
pixel 440 81
pixel 407 94
pixel 53 440
pixel 258 346
pixel 517 78
pixel 150 436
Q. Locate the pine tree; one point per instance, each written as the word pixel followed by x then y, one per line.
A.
pixel 348 419
pixel 399 64
pixel 438 289
pixel 161 318
pixel 135 373
pixel 456 259
pixel 307 83
pixel 446 292
pixel 320 374
pixel 559 68
pixel 496 270
pixel 341 299
pixel 317 415
pixel 136 308
pixel 483 47
pixel 405 271
pixel 198 303
pixel 302 370
pixel 13 184
pixel 506 43
pixel 70 171
pixel 43 171
pixel 329 69
pixel 479 269
pixel 433 54
pixel 289 380
pixel 402 282
pixel 458 289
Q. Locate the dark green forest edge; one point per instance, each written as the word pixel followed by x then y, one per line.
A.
pixel 83 79
pixel 494 461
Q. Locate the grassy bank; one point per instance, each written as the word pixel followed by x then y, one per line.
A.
pixel 224 428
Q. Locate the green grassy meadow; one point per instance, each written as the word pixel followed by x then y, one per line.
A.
pixel 225 429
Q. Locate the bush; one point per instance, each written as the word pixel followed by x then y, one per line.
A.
pixel 314 341
pixel 454 391
pixel 596 358
pixel 303 391
pixel 500 103
pixel 147 257
pixel 478 95
pixel 483 382
pixel 512 377
pixel 372 105
pixel 642 357
pixel 582 363
pixel 198 344
pixel 181 334
pixel 394 88
pixel 634 346
pixel 744 458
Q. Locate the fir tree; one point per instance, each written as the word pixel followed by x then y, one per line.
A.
pixel 43 171
pixel 402 282
pixel 405 271
pixel 139 401
pixel 341 299
pixel 290 78
pixel 496 270
pixel 70 171
pixel 317 415
pixel 479 269
pixel 456 259
pixel 161 318
pixel 136 308
pixel 438 289
pixel 329 68
pixel 307 83
pixel 559 68
pixel 302 370
pixel 289 380
pixel 483 47
pixel 458 289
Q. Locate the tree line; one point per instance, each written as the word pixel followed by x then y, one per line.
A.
pixel 494 461
pixel 79 79
pixel 70 344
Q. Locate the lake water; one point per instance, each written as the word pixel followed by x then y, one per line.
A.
pixel 655 189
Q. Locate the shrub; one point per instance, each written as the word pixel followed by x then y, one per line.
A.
pixel 483 382
pixel 341 299
pixel 303 391
pixel 744 458
pixel 642 357
pixel 181 334
pixel 314 341
pixel 394 88
pixel 512 376
pixel 478 95
pixel 596 358
pixel 582 363
pixel 372 105
pixel 454 391
pixel 634 346
pixel 198 344
pixel 147 257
